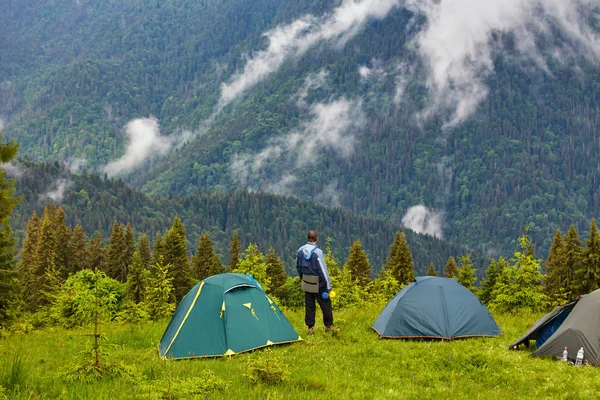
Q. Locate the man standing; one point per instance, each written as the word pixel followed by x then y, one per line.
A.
pixel 310 264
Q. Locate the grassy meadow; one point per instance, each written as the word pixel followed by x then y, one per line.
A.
pixel 354 364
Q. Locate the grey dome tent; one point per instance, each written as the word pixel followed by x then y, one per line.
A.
pixel 573 325
pixel 436 308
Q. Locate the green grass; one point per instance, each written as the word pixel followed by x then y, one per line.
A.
pixel 354 365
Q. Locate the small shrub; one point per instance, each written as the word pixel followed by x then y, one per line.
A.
pixel 84 368
pixel 133 312
pixel 267 368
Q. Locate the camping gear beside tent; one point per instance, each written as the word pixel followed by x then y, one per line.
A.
pixel 436 308
pixel 223 315
pixel 574 325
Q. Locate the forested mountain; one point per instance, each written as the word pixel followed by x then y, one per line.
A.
pixel 264 219
pixel 339 115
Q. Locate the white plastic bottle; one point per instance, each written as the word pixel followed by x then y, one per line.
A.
pixel 565 357
pixel 579 359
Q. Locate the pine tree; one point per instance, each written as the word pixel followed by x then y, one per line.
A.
pixel 493 272
pixel 27 273
pixel 145 252
pixel 78 249
pixel 129 245
pixel 137 279
pixel 63 237
pixel 400 260
pixel 9 288
pixel 47 275
pixel 254 264
pixel 451 269
pixel 587 276
pixel 159 292
pixel 333 265
pixel 275 271
pixel 96 257
pixel 571 256
pixel 466 274
pixel 234 251
pixel 431 271
pixel 205 263
pixel 555 269
pixel 177 256
pixel 358 265
pixel 116 253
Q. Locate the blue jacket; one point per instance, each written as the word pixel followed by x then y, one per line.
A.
pixel 311 261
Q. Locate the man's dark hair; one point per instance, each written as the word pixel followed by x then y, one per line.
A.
pixel 312 236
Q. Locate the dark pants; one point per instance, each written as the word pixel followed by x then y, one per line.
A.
pixel 311 309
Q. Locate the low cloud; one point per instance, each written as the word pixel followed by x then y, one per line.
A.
pixel 330 194
pixel 313 81
pixel 294 39
pixel 332 127
pixel 1 124
pixel 58 192
pixel 461 38
pixel 12 170
pixel 422 220
pixel 75 166
pixel 144 141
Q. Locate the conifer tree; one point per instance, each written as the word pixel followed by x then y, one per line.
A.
pixel 571 256
pixel 431 271
pixel 275 271
pixel 493 272
pixel 63 237
pixel 254 263
pixel 145 252
pixel 27 273
pixel 159 292
pixel 466 274
pixel 47 275
pixel 79 249
pixel 129 245
pixel 400 260
pixel 159 249
pixel 555 269
pixel 205 263
pixel 96 254
pixel 9 288
pixel 137 279
pixel 587 276
pixel 116 253
pixel 177 256
pixel 333 265
pixel 357 264
pixel 234 251
pixel 451 269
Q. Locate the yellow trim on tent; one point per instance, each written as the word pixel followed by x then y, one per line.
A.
pixel 229 353
pixel 185 318
pixel 249 305
pixel 269 343
pixel 222 310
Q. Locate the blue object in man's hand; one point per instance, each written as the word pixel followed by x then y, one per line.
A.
pixel 325 295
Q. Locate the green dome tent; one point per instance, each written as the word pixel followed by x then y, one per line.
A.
pixel 223 315
pixel 435 308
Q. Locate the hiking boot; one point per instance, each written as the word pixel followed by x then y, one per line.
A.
pixel 331 328
pixel 311 330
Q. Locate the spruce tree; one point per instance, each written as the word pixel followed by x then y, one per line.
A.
pixel 275 271
pixel 9 288
pixel 159 292
pixel 137 279
pixel 555 268
pixel 47 275
pixel 493 272
pixel 145 252
pixel 400 260
pixel 205 263
pixel 177 256
pixel 333 265
pixel 116 253
pixel 96 257
pixel 79 249
pixel 431 271
pixel 129 245
pixel 357 264
pixel 254 263
pixel 587 276
pixel 159 249
pixel 571 256
pixel 466 274
pixel 63 250
pixel 451 269
pixel 27 273
pixel 234 251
